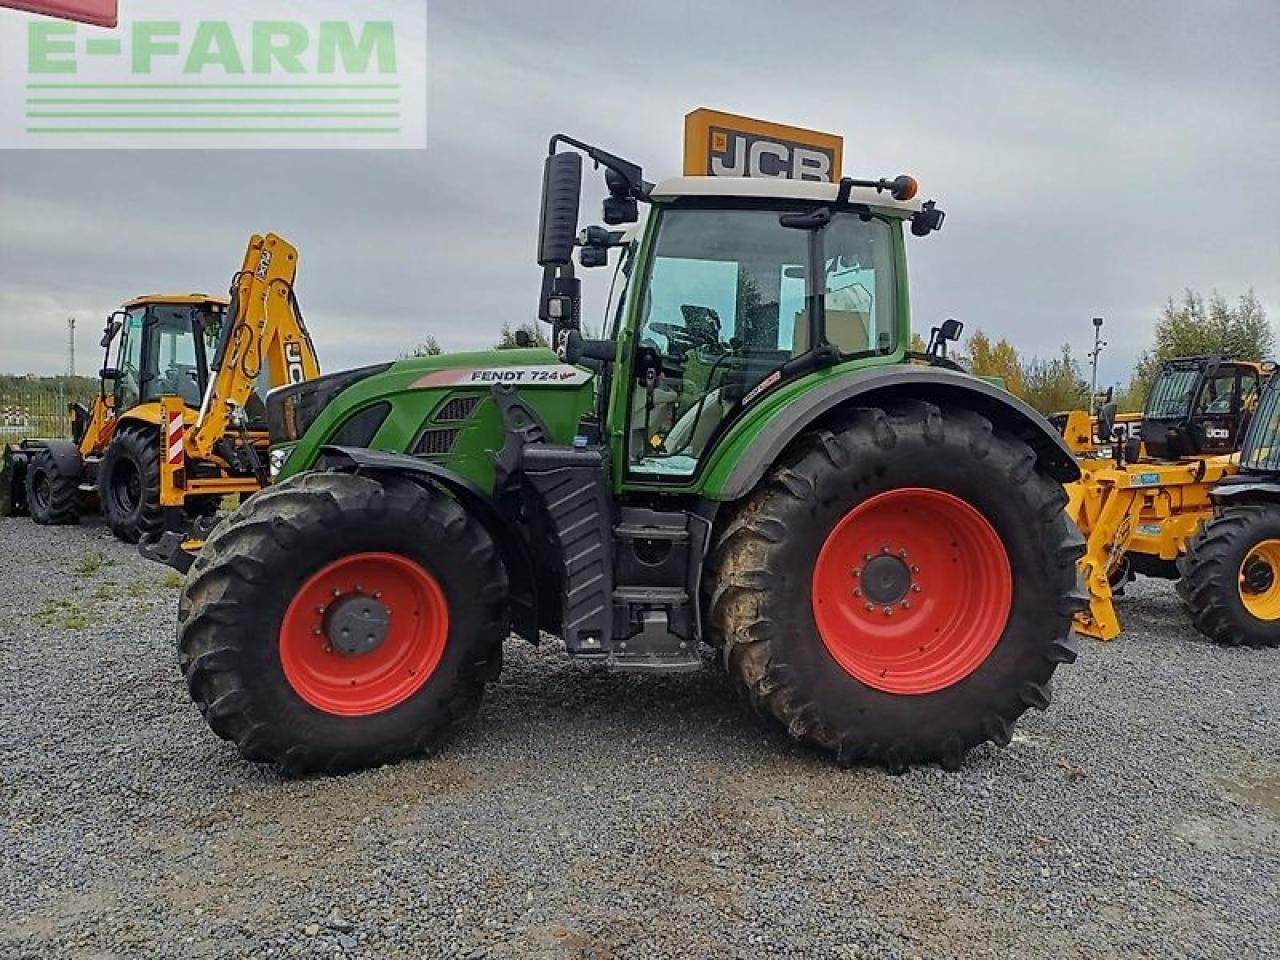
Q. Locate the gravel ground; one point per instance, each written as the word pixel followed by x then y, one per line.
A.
pixel 584 814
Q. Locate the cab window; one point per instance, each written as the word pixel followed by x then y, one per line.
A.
pixel 171 339
pixel 728 303
pixel 129 359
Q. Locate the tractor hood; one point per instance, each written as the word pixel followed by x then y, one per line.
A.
pixel 438 408
pixel 533 367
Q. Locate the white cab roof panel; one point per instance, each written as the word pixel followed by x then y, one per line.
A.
pixel 777 188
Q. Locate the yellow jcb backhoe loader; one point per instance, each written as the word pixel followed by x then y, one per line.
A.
pixel 264 343
pixel 187 383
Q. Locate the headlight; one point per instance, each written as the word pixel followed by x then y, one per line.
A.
pixel 279 457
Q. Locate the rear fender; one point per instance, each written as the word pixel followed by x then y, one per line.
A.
pixel 516 553
pixel 940 386
pixel 1237 491
pixel 66 457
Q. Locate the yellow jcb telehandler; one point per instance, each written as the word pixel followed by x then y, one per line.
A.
pixel 1138 508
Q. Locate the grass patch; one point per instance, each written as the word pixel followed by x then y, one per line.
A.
pixel 172 580
pixel 65 614
pixel 91 563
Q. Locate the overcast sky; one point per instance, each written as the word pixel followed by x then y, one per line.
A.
pixel 1093 159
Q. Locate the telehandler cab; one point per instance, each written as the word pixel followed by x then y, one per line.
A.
pixel 877 548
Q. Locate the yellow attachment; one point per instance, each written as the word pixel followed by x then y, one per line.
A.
pixel 1146 508
pixel 266 329
pixel 1078 432
pixel 1260 580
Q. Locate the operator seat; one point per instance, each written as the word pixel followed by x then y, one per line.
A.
pixel 849 330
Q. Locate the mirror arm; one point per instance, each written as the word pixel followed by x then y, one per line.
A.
pixel 632 173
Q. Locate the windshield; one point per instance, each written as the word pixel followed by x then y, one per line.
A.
pixel 728 302
pixel 174 362
pixel 1171 394
pixel 618 290
pixel 1261 450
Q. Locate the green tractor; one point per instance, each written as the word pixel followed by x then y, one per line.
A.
pixel 872 541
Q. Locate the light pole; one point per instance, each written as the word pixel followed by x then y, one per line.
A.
pixel 1098 344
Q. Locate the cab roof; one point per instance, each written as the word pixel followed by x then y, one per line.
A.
pixel 776 188
pixel 175 298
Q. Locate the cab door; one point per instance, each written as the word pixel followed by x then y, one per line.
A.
pixel 1218 417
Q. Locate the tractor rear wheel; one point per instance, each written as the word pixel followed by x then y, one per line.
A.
pixel 900 587
pixel 1231 577
pixel 339 621
pixel 51 497
pixel 129 483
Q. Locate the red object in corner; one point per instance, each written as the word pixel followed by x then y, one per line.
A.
pixel 100 13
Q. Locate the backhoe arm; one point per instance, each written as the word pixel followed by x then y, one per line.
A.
pixel 263 326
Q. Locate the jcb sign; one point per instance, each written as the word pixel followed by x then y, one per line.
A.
pixel 725 145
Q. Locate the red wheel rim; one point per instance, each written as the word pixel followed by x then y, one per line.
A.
pixel 912 590
pixel 359 683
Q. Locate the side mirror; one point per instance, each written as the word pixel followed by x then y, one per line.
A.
pixel 109 373
pixel 1106 422
pixel 927 219
pixel 939 337
pixel 950 330
pixel 109 334
pixel 558 224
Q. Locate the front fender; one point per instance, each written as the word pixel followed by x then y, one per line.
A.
pixel 506 534
pixel 756 442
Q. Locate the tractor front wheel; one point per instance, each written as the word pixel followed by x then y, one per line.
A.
pixel 129 483
pixel 900 587
pixel 338 621
pixel 52 498
pixel 1231 577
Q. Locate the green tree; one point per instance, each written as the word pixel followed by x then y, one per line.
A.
pixel 1000 359
pixel 430 347
pixel 917 344
pixel 1054 384
pixel 508 339
pixel 1193 326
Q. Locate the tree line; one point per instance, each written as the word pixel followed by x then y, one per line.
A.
pixel 1190 326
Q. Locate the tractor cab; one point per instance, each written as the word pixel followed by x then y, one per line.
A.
pixel 1199 406
pixel 735 287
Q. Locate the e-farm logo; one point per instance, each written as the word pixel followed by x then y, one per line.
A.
pixel 231 74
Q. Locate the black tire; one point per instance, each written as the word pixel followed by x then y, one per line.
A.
pixel 52 498
pixel 129 483
pixel 239 588
pixel 760 610
pixel 1212 567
